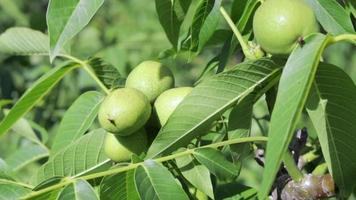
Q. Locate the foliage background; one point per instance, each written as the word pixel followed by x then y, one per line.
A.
pixel 125 33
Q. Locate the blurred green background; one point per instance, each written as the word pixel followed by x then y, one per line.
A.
pixel 124 33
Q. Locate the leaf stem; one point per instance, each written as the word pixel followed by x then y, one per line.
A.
pixel 88 69
pixel 291 167
pixel 244 46
pixel 70 180
pixel 347 37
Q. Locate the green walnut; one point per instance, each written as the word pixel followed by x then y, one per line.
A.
pixel 151 78
pixel 120 149
pixel 124 111
pixel 168 101
pixel 278 25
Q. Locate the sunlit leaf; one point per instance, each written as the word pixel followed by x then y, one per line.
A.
pixel 81 156
pixel 77 120
pixel 293 90
pixel 211 98
pixel 332 16
pixel 65 18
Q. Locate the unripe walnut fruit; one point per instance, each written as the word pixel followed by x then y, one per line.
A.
pixel 168 101
pixel 120 149
pixel 124 111
pixel 278 25
pixel 151 78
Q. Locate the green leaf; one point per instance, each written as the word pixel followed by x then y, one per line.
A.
pixel 200 16
pixel 209 26
pixel 244 23
pixel 209 100
pixel 235 191
pixel 25 155
pixel 332 16
pixel 5 172
pixel 48 182
pixel 332 109
pixel 153 181
pixel 84 155
pixel 237 9
pixel 240 126
pixel 34 94
pixel 198 175
pixel 77 120
pixel 120 186
pixel 107 73
pixel 80 190
pixel 293 90
pixel 51 195
pixel 24 41
pixel 171 16
pixel 11 191
pixel 181 8
pixel 12 9
pixel 216 162
pixel 23 128
pixel 66 18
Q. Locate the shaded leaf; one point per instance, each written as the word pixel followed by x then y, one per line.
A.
pixel 65 18
pixel 108 74
pixel 25 155
pixel 24 41
pixel 209 100
pixel 200 16
pixel 81 156
pixel 332 16
pixel 80 190
pixel 171 19
pixel 5 172
pixel 209 26
pixel 37 91
pixel 216 162
pixel 23 128
pixel 293 89
pixel 11 191
pixel 120 186
pixel 77 120
pixel 240 126
pixel 153 181
pixel 47 183
pixel 198 175
pixel 235 191
pixel 332 109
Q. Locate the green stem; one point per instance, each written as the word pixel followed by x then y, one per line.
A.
pixel 70 180
pixel 88 69
pixel 320 169
pixel 343 37
pixel 291 167
pixel 244 46
pixel 310 156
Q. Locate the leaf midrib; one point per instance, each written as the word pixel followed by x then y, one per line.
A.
pixel 246 92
